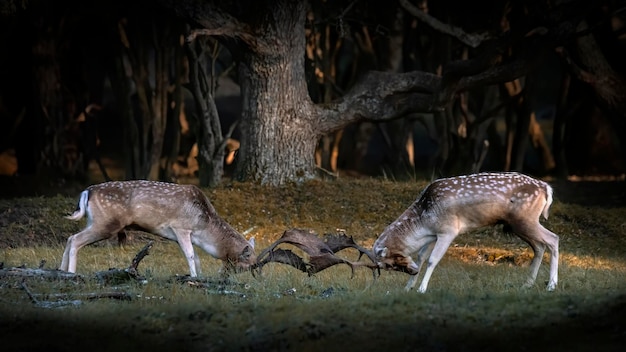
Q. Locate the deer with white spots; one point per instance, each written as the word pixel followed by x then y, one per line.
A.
pixel 451 206
pixel 181 213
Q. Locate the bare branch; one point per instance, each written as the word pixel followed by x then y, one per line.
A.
pixel 231 129
pixel 139 256
pixel 380 96
pixel 472 40
pixel 605 81
pixel 212 19
pixel 233 31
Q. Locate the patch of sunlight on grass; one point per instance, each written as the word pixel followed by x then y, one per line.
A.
pixel 31 257
pixel 593 262
pixel 475 291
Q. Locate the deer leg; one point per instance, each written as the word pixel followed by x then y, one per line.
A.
pixel 183 237
pixel 439 249
pixel 78 241
pixel 538 250
pixel 538 237
pixel 552 242
pixel 422 254
pixel 66 256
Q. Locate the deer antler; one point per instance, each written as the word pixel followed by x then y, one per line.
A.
pixel 306 240
pixel 321 254
pixel 283 256
pixel 324 261
pixel 340 241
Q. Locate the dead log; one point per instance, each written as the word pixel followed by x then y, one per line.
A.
pixel 111 275
pixel 48 304
pixel 117 276
pixel 50 274
pixel 62 299
pixel 119 295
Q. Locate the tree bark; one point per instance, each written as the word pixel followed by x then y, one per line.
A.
pixel 280 124
pixel 211 144
pixel 278 135
pixel 163 56
pixel 609 85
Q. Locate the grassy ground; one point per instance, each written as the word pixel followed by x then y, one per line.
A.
pixel 474 300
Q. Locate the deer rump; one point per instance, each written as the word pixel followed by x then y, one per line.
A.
pixel 321 252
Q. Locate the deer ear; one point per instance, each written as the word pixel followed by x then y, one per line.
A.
pixel 251 242
pixel 383 252
pixel 413 268
pixel 246 253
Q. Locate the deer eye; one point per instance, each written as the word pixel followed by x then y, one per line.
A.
pixel 246 253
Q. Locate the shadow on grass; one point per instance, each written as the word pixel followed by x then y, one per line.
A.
pixel 602 330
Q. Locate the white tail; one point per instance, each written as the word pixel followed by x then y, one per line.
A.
pixel 181 213
pixel 450 206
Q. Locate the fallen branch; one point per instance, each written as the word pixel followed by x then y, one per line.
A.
pixel 119 295
pixel 111 275
pixel 221 287
pixel 116 276
pixel 51 274
pixel 48 304
pixel 63 301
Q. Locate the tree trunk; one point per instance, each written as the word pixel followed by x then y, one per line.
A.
pixel 159 101
pixel 211 143
pixel 609 85
pixel 121 87
pixel 173 139
pixel 278 136
pixel 150 49
pixel 558 131
pixel 280 125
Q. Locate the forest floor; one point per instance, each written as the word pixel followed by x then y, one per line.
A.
pixel 474 302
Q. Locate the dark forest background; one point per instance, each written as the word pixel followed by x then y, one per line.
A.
pixel 172 89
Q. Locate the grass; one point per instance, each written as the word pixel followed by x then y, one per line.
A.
pixel 474 300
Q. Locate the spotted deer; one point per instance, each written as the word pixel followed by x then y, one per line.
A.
pixel 451 206
pixel 181 213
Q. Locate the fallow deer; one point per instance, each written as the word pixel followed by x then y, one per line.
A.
pixel 181 213
pixel 450 206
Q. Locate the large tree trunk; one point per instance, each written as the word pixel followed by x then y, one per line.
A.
pixel 278 138
pixel 280 125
